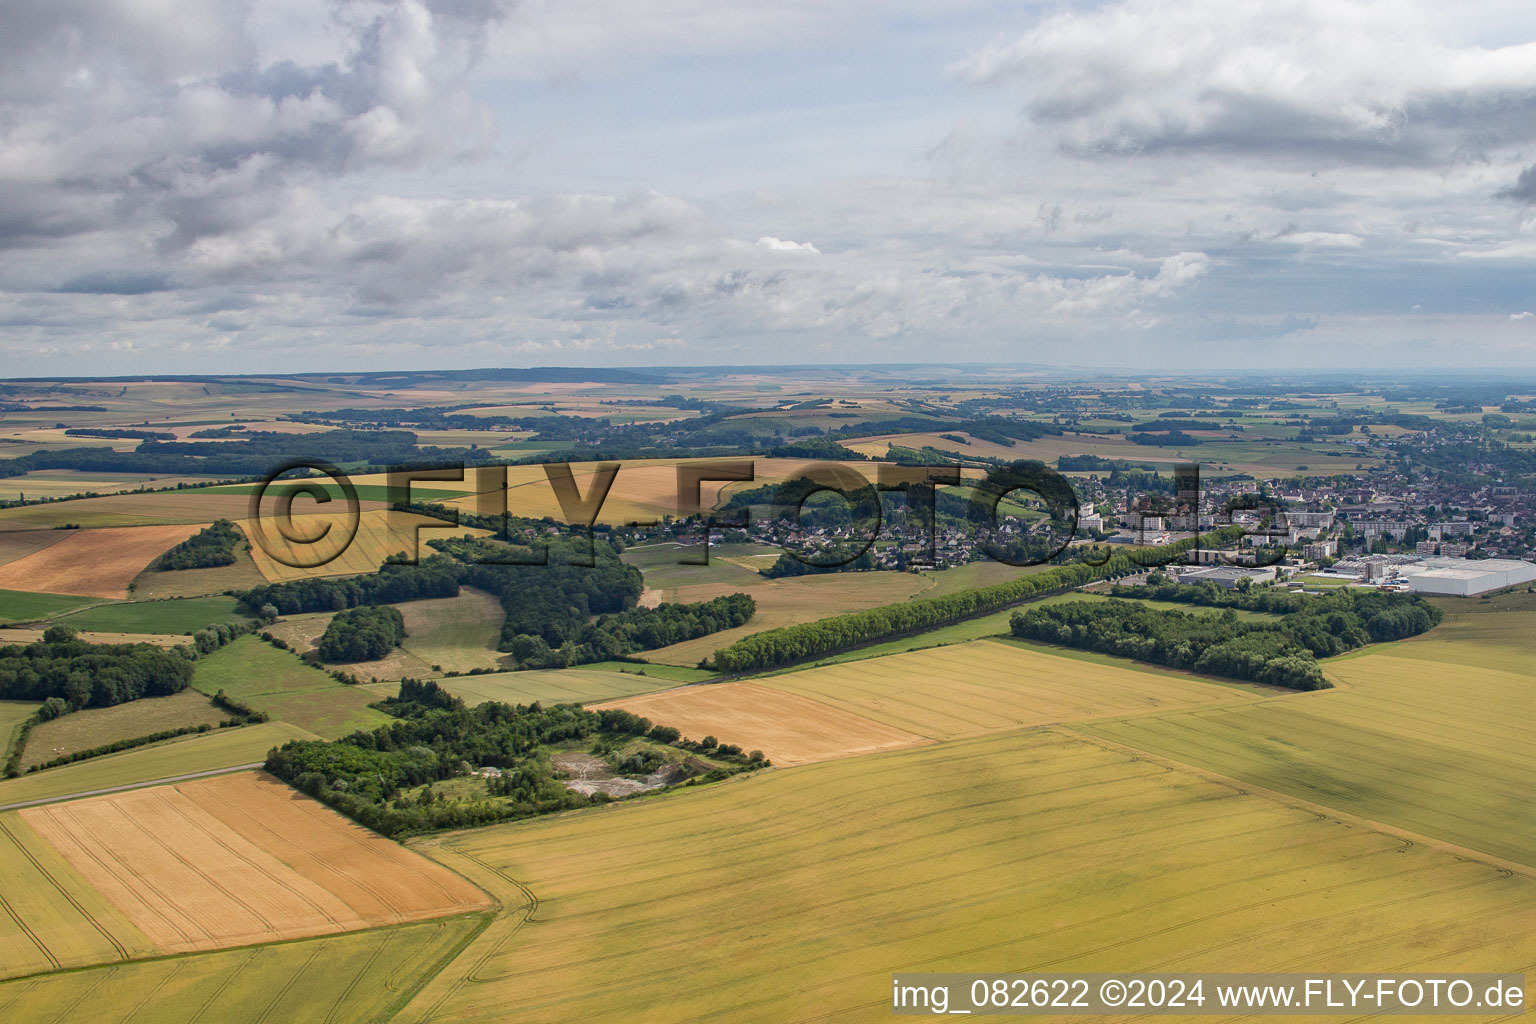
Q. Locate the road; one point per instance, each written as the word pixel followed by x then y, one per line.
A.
pixel 131 785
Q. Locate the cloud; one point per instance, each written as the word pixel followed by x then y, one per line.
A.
pixel 108 282
pixel 783 245
pixel 1526 315
pixel 1354 81
pixel 1524 188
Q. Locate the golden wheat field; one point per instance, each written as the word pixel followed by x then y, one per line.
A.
pixel 242 858
pixel 324 547
pixel 793 895
pixel 786 727
pixel 93 563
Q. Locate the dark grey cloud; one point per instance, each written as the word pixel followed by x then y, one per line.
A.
pixel 1524 188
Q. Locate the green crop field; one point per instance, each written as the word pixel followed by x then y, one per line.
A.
pixel 985 686
pixel 12 714
pixel 804 888
pixel 67 923
pixel 20 606
pixel 553 686
pixel 339 979
pixel 96 727
pixel 1431 734
pixel 183 615
pixel 212 751
pixel 283 686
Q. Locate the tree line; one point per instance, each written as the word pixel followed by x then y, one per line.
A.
pixel 213 545
pixel 787 645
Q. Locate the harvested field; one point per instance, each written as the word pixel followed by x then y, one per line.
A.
pixel 380 533
pixel 50 917
pixel 787 727
pixel 967 689
pixel 240 859
pixel 32 636
pixel 152 585
pixel 21 543
pixel 97 727
pixel 223 748
pixel 93 563
pixel 787 602
pixel 341 979
pixel 59 483
pixel 1023 852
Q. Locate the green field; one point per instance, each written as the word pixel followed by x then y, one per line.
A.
pixel 804 888
pixel 97 727
pixel 283 686
pixel 70 924
pixel 12 714
pixel 671 673
pixel 182 615
pixel 339 979
pixel 224 748
pixel 1431 734
pixel 20 606
pixel 553 686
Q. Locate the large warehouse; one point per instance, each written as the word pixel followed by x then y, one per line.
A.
pixel 1462 577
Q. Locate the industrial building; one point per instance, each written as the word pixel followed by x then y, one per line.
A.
pixel 1461 577
pixel 1227 576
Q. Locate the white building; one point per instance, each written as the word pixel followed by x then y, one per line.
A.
pixel 1460 577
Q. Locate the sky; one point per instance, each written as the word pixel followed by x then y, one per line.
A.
pixel 203 186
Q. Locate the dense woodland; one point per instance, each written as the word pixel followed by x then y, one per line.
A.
pixel 362 634
pixel 211 546
pixel 89 675
pixel 790 644
pixel 438 738
pixel 1282 652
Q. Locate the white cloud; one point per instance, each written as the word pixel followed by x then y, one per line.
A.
pixel 783 245
pixel 1526 315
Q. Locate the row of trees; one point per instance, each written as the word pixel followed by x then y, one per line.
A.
pixel 362 634
pixel 436 576
pixel 211 546
pixel 789 644
pixel 636 629
pixel 89 675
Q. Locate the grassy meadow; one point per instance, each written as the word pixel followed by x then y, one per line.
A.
pixel 286 688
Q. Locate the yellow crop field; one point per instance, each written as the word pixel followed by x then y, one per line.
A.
pixel 987 685
pixel 341 979
pixel 803 889
pixel 243 858
pixel 380 533
pixel 551 686
pixel 1421 734
pixel 788 728
pixel 787 602
pixel 127 510
pixel 51 916
pixel 205 752
pixel 92 563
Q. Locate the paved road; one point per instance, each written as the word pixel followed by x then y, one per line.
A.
pixel 131 785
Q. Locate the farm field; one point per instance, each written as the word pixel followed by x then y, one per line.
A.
pixel 448 634
pixel 1428 734
pixel 787 727
pixel 53 918
pixel 153 585
pixel 350 978
pixel 12 714
pixel 183 615
pixel 550 686
pixel 60 483
pixel 786 602
pixel 96 727
pixel 185 755
pixel 20 543
pixel 1018 852
pixel 283 686
pixel 20 606
pixel 93 563
pixel 984 686
pixel 31 636
pixel 252 861
pixel 159 508
pixel 380 533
